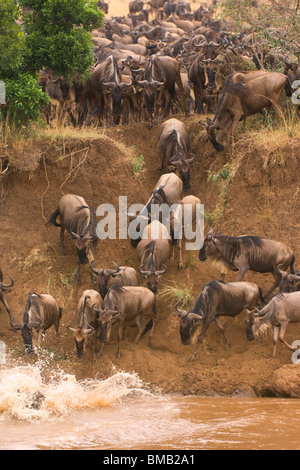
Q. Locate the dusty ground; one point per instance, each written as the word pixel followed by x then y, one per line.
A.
pixel 260 197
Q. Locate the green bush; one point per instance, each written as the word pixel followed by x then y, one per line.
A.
pixel 25 99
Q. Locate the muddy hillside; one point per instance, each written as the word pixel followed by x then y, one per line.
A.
pixel 251 189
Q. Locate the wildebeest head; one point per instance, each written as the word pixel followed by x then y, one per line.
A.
pixel 151 88
pixel 84 245
pixel 188 324
pixel 82 331
pixel 183 166
pixel 106 319
pixel 209 247
pixel 117 93
pixel 102 278
pixel 289 282
pixel 80 335
pixel 152 276
pixel 215 134
pixel 26 331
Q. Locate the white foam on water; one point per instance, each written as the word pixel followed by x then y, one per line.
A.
pixel 26 396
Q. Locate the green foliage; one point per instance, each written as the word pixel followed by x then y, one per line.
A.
pixel 138 164
pixel 11 38
pixel 58 35
pixel 24 100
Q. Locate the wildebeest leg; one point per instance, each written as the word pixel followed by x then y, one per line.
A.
pixel 41 333
pixel 275 339
pixel 205 327
pixel 277 278
pixel 282 331
pixel 242 272
pixel 77 274
pixel 2 299
pixel 62 235
pixel 221 327
pixel 160 167
pixel 120 336
pixel 141 327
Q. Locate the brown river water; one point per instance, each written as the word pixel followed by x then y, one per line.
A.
pixel 122 413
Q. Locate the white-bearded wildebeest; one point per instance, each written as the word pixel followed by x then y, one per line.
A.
pixel 80 221
pixel 289 282
pixel 168 190
pixel 174 145
pixel 217 299
pixel 87 321
pixel 244 94
pixel 247 253
pixel 179 220
pixel 125 304
pixel 283 308
pixel 153 251
pixel 3 289
pixel 41 312
pixel 160 76
pixel 121 276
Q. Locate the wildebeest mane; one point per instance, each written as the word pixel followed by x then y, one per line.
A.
pixel 209 293
pixel 92 221
pixel 233 246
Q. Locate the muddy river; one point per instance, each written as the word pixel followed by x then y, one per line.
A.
pixel 122 413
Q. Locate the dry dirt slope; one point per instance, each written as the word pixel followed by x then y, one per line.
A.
pixel 258 195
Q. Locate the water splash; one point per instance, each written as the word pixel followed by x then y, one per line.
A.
pixel 25 395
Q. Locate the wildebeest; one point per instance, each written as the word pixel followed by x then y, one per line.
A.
pixel 174 145
pixel 168 190
pixel 126 304
pixel 289 282
pixel 121 276
pixel 216 299
pixel 3 289
pixel 244 94
pixel 80 221
pixel 160 76
pixel 245 253
pixel 283 308
pixel 41 312
pixel 180 218
pixel 153 251
pixel 87 323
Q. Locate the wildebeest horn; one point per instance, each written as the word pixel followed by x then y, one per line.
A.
pixel 99 309
pixel 204 124
pixel 293 277
pixel 180 313
pixel 96 271
pixel 194 316
pixel 144 273
pixel 143 82
pixel 2 285
pixel 75 235
pixel 109 84
pixel 190 160
pixel 159 273
pixel 126 85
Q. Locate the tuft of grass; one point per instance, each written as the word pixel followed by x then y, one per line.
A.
pixel 138 164
pixel 181 295
pixel 36 257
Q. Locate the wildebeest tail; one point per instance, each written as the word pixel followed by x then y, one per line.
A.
pixel 52 220
pixel 260 295
pixel 60 312
pixel 292 265
pixel 147 327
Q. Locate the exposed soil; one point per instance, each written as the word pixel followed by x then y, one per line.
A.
pixel 260 196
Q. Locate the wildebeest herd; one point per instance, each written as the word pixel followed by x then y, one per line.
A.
pixel 145 70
